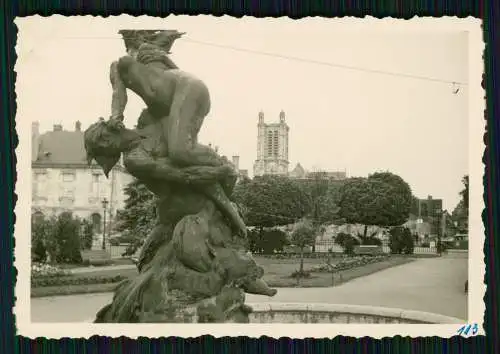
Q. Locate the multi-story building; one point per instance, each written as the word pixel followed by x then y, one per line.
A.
pixel 62 179
pixel 272 147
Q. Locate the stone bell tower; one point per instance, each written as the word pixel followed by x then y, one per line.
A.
pixel 272 147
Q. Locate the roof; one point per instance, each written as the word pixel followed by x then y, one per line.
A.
pixel 298 171
pixel 61 147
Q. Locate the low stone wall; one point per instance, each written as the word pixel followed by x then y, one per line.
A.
pixel 335 313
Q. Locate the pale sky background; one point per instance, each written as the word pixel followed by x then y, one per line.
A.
pixel 340 119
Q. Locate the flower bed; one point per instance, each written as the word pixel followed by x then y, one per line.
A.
pixel 42 270
pixel 348 263
pixel 45 275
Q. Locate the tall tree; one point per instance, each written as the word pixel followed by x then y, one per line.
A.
pixel 303 235
pixel 460 214
pixel 137 218
pixel 270 201
pixel 382 199
pixel 465 192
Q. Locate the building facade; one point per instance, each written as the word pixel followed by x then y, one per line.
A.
pixel 272 147
pixel 63 181
pixel 300 172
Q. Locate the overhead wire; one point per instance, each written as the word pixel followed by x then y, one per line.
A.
pixel 456 83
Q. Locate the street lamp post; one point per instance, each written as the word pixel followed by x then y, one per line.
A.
pixel 104 205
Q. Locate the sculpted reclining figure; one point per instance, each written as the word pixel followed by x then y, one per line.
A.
pixel 190 232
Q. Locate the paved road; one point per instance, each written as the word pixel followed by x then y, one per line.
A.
pixel 430 284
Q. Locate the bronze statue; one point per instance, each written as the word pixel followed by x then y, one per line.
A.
pixel 193 266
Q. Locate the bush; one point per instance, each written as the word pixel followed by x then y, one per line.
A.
pixel 401 240
pixel 40 234
pixel 268 241
pixel 87 237
pixel 441 246
pixel 56 239
pixel 347 242
pixel 114 242
pixel 68 239
pixel 300 274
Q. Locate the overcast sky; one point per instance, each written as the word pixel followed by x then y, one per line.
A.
pixel 360 121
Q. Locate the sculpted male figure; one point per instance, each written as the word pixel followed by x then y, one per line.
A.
pixel 177 98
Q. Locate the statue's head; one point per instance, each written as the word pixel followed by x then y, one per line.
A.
pixel 148 46
pixel 161 39
pixel 104 144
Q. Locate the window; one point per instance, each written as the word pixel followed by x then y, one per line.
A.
pixel 95 185
pixel 95 219
pixel 68 177
pixel 68 186
pixel 39 185
pixel 275 143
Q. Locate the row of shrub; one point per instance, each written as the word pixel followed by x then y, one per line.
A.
pixel 65 281
pixel 348 263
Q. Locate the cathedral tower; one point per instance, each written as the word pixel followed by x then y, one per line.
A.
pixel 272 147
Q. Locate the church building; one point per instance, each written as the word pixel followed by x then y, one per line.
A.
pixel 272 147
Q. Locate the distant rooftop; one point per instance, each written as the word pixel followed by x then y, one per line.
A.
pixel 61 147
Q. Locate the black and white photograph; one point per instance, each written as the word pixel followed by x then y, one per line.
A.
pixel 244 176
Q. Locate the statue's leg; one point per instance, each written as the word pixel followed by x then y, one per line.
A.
pixel 190 105
pixel 219 197
pixel 159 235
pixel 259 287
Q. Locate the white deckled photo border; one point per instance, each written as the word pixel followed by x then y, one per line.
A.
pixel 476 270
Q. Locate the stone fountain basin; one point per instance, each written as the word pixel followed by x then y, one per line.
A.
pixel 277 312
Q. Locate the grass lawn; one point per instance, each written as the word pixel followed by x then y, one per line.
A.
pixel 276 273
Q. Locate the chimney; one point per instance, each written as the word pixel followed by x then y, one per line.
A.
pixel 236 162
pixel 35 140
pixel 58 127
pixel 78 126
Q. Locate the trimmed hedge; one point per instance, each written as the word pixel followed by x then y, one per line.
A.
pixel 39 282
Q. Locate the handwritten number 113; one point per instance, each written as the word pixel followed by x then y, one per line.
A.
pixel 468 330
